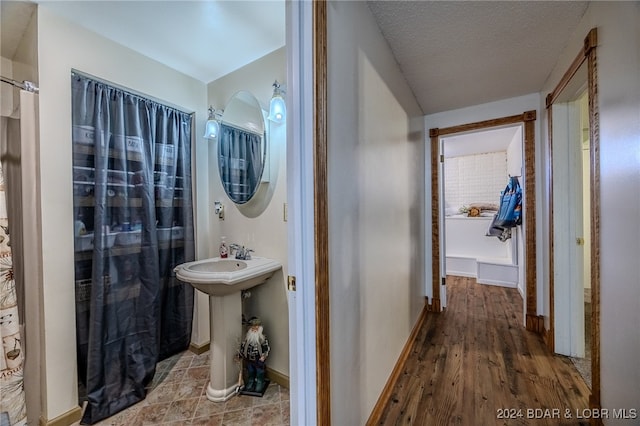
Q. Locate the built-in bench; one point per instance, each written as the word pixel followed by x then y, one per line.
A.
pixel 497 272
pixel 470 253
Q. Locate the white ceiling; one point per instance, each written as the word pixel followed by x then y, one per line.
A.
pixel 453 53
pixel 203 39
pixel 479 142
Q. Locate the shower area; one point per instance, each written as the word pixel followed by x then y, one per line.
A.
pixel 133 216
pixel 133 223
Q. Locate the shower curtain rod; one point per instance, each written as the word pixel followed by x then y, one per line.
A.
pixel 25 85
pixel 131 92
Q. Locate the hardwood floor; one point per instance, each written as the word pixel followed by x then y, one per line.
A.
pixel 476 363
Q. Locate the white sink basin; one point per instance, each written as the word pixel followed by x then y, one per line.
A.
pixel 220 277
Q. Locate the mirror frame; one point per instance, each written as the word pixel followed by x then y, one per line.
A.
pixel 263 145
pixel 587 53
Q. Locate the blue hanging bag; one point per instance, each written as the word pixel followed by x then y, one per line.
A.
pixel 510 213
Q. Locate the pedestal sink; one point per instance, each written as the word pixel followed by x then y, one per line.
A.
pixel 222 280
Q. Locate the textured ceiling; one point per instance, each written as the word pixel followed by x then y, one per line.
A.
pixel 456 54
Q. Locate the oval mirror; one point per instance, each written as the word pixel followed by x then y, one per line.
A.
pixel 241 147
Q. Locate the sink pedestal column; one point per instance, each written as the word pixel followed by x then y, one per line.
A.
pixel 225 316
pixel 223 280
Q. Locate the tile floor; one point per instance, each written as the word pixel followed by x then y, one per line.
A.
pixel 177 397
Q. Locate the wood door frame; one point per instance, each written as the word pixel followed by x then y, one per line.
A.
pixel 534 322
pixel 321 215
pixel 588 54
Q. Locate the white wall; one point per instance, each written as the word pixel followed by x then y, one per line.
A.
pixel 376 215
pixel 63 46
pixel 515 163
pixel 471 114
pixel 474 179
pixel 618 55
pixel 259 224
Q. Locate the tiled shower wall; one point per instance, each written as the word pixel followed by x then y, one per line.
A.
pixel 477 178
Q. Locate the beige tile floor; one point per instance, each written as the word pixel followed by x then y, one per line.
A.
pixel 177 397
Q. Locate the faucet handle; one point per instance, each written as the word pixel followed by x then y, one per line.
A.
pixel 247 254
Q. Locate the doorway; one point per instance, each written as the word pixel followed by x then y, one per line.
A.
pixel 572 222
pixel 533 321
pixel 571 105
pixel 476 167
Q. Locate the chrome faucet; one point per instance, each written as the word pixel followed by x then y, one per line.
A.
pixel 242 253
pixel 233 247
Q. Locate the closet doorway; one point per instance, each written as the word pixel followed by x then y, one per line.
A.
pixel 527 120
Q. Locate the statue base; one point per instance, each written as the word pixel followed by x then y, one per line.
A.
pixel 243 391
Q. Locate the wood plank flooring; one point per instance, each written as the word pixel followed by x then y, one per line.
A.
pixel 476 363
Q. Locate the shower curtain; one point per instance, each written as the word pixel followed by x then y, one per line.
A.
pixel 133 224
pixel 12 396
pixel 240 162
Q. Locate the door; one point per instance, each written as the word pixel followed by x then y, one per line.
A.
pixel 578 213
pixel 584 215
pixel 443 228
pixel 303 350
pixel 570 184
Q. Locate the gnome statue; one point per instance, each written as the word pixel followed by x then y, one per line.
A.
pixel 254 349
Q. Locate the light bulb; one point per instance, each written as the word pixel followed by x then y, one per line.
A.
pixel 277 107
pixel 211 129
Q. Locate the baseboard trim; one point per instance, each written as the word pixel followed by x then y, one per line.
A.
pixel 70 417
pixel 435 305
pixel 199 350
pixel 278 377
pixel 535 323
pixel 385 396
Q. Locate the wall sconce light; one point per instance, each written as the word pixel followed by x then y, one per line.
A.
pixel 212 127
pixel 277 107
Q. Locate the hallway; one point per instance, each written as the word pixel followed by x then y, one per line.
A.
pixel 475 364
